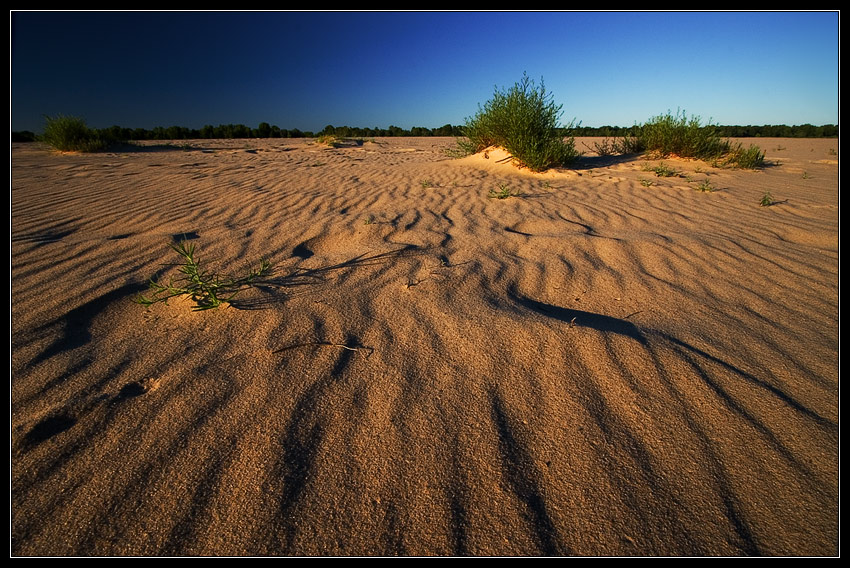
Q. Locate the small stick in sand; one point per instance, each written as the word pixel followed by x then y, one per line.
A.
pixel 326 344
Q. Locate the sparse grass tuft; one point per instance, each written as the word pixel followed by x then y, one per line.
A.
pixel 70 134
pixel 661 170
pixel 766 200
pixel 207 290
pixel 524 120
pixel 705 186
pixel 329 140
pixel 504 192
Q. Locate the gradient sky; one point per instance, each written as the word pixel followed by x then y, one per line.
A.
pixel 375 69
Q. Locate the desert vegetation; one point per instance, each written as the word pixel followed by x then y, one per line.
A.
pixel 70 134
pixel 683 136
pixel 524 120
pixel 206 289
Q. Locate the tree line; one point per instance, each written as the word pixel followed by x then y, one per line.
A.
pixel 750 131
pixel 266 130
pixel 263 130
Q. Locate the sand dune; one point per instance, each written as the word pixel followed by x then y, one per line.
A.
pixel 598 366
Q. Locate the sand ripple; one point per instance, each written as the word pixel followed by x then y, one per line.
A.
pixel 599 366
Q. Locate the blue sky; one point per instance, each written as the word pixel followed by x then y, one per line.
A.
pixel 375 69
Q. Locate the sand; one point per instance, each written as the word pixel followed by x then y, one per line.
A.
pixel 609 363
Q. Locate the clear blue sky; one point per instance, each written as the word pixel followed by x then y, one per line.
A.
pixel 375 69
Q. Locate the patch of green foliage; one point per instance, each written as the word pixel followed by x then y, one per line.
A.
pixel 208 290
pixel 705 186
pixel 661 170
pixel 70 134
pixel 524 120
pixel 750 158
pixel 668 134
pixel 504 192
pixel 685 137
pixel 329 140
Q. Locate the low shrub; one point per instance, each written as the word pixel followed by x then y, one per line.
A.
pixel 668 134
pixel 679 135
pixel 524 120
pixel 70 134
pixel 750 158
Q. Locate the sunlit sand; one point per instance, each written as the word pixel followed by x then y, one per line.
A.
pixel 606 362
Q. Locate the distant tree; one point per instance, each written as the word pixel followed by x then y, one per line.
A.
pixel 23 136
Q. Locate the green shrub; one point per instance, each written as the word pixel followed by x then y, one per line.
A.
pixel 669 134
pixel 749 158
pixel 524 120
pixel 678 135
pixel 70 134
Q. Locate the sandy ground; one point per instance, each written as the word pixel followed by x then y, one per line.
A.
pixel 609 363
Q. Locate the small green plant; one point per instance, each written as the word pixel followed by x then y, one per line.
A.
pixel 766 200
pixel 329 140
pixel 426 183
pixel 206 289
pixel 806 175
pixel 662 170
pixel 504 192
pixel 369 220
pixel 524 120
pixel 705 186
pixel 70 134
pixel 646 182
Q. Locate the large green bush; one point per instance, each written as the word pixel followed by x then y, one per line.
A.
pixel 524 120
pixel 70 134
